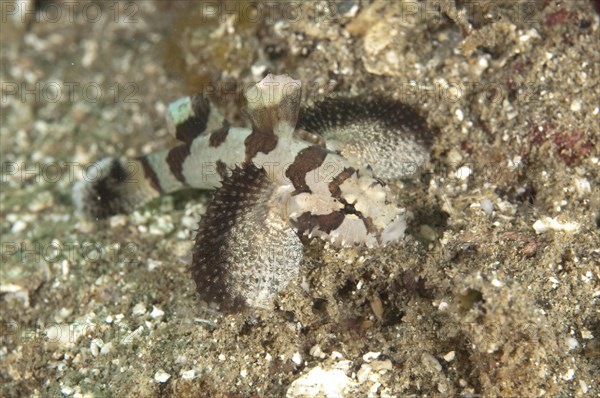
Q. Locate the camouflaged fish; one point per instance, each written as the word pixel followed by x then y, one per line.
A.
pixel 313 171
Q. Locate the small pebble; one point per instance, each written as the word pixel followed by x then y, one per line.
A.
pixel 161 226
pixel 18 226
pixel 463 173
pixel 546 224
pixel 582 186
pixel 568 375
pixel 153 264
pixel 363 373
pixel 487 206
pixel 106 348
pixel 139 309
pixel 497 283
pixel 161 376
pixel 454 157
pixel 156 312
pixel 369 356
pixel 297 358
pixel 377 307
pixel 430 362
pixel 190 222
pixel 258 70
pixel 459 115
pixel 449 356
pixel 321 382
pixel 382 365
pixel 119 220
pixel 572 343
pixel 428 233
pixel 188 374
pixel 316 352
pixel 43 201
pixel 95 346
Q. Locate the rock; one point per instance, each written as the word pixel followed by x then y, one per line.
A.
pixel 161 376
pixel 331 383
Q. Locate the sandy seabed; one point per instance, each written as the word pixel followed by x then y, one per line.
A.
pixel 493 293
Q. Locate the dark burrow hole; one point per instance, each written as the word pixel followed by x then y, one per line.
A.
pixel 470 299
pixel 319 307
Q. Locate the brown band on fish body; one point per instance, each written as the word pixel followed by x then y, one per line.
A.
pixel 175 159
pixel 334 185
pixel 194 125
pixel 188 130
pixel 369 225
pixel 306 160
pixel 218 136
pixel 150 174
pixel 259 142
pixel 331 221
pixel 307 222
pixel 222 169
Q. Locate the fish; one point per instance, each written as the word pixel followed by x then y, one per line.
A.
pixel 316 170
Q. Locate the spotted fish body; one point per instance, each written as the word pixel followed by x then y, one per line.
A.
pixel 273 183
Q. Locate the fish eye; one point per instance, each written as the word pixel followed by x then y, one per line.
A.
pixel 349 209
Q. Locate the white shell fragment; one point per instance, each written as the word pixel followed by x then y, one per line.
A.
pixel 332 383
pixel 546 224
pixel 161 376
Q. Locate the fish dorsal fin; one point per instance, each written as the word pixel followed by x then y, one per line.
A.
pixel 245 251
pixel 189 117
pixel 388 135
pixel 273 105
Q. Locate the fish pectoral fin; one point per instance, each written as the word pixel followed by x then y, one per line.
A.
pixel 245 251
